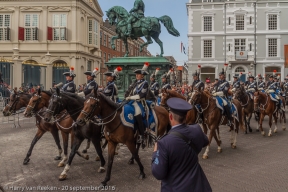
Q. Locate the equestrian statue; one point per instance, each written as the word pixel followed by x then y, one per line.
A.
pixel 134 24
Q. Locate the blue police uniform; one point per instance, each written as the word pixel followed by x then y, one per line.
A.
pixel 198 84
pixel 111 91
pixel 69 86
pixel 261 85
pixel 91 84
pixel 174 162
pixel 154 87
pixel 272 90
pixel 251 87
pixel 166 86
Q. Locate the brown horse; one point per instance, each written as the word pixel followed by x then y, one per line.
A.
pixel 266 106
pixel 115 131
pixel 247 105
pixel 213 117
pixel 17 101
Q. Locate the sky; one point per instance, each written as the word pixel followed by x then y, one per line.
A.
pixel 176 9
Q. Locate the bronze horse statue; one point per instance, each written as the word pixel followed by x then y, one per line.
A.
pixel 115 132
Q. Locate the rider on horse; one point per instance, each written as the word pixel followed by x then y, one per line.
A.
pixel 136 13
pixel 70 85
pixel 91 83
pixel 270 81
pixel 197 83
pixel 164 77
pixel 220 91
pixel 138 95
pixel 285 85
pixel 111 89
pixel 261 83
pixel 272 88
pixel 154 86
pixel 236 82
pixel 251 86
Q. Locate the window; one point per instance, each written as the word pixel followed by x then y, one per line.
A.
pixel 272 22
pixel 4 27
pixel 272 47
pixel 109 42
pixel 31 27
pixel 104 57
pixel 118 45
pixel 229 47
pixel 207 72
pixel 108 57
pixel 89 66
pixel 207 48
pixel 239 22
pixel 105 40
pixel 101 43
pixel 239 69
pixel 229 20
pixel 240 44
pixel 250 47
pixel 92 32
pixel 250 20
pixel 207 23
pixel 123 47
pixel 59 27
pixel 204 1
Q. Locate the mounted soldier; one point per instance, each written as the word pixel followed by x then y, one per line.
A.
pixel 136 13
pixel 197 83
pixel 138 95
pixel 91 83
pixel 221 90
pixel 164 77
pixel 154 85
pixel 236 82
pixel 111 89
pixel 271 90
pixel 270 81
pixel 69 86
pixel 251 86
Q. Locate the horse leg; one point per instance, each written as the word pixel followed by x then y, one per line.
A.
pixel 249 118
pixel 38 135
pixel 131 160
pixel 212 132
pixel 246 124
pixel 55 134
pixel 87 146
pixel 131 146
pixel 76 144
pixel 112 42
pixel 148 38
pixel 260 124
pixel 155 36
pixel 275 121
pixel 270 124
pixel 235 133
pixel 111 153
pixel 218 142
pixel 97 144
pixel 102 148
pixel 284 122
pixel 65 138
pixel 126 47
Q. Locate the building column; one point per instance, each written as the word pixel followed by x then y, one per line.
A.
pixel 49 75
pixel 17 69
pixel 74 24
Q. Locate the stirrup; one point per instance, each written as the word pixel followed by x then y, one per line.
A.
pixel 229 123
pixel 140 139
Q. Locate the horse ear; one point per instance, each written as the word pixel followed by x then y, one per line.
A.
pixel 39 91
pixel 58 91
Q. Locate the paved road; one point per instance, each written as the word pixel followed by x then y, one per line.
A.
pixel 258 164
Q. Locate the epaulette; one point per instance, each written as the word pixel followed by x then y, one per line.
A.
pixel 161 136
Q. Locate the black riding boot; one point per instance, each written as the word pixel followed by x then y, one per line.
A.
pixel 141 129
pixel 228 114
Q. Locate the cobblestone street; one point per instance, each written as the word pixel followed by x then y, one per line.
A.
pixel 258 164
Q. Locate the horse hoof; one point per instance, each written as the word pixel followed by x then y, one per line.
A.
pixel 219 150
pixel 269 135
pixel 141 176
pixel 233 146
pixel 61 164
pixel 130 162
pixel 257 130
pixel 84 151
pixel 62 177
pixel 97 158
pixel 57 158
pixel 101 170
pixel 205 157
pixel 275 131
pixel 263 133
pixel 26 161
pixel 103 184
pixel 86 157
pixel 246 132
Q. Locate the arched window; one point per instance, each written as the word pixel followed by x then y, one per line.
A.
pixel 239 69
pixel 59 67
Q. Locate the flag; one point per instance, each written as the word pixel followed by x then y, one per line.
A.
pixel 185 65
pixel 184 50
pixel 181 45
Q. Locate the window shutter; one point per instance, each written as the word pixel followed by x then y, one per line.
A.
pixel 36 33
pixel 49 33
pixel 21 33
pixel 65 33
pixel 8 34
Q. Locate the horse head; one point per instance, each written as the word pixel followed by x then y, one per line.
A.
pixel 17 101
pixel 164 97
pixel 195 96
pixel 91 107
pixel 116 12
pixel 256 100
pixel 55 106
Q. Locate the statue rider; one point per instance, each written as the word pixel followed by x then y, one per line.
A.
pixel 91 83
pixel 220 91
pixel 138 95
pixel 136 13
pixel 69 86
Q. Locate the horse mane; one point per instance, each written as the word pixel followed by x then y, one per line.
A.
pixel 175 94
pixel 73 95
pixel 119 10
pixel 207 93
pixel 47 93
pixel 109 101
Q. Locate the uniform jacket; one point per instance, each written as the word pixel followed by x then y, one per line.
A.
pixel 90 85
pixel 141 88
pixel 198 84
pixel 236 84
pixel 261 84
pixel 251 85
pixel 176 164
pixel 111 90
pixel 223 86
pixel 166 86
pixel 269 83
pixel 154 87
pixel 273 85
pixel 69 86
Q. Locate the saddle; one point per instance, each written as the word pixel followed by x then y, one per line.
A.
pixel 220 104
pixel 144 22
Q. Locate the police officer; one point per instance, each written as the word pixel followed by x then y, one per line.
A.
pixel 69 86
pixel 261 83
pixel 154 86
pixel 138 95
pixel 174 161
pixel 164 77
pixel 221 90
pixel 197 83
pixel 111 89
pixel 251 86
pixel 272 88
pixel 236 82
pixel 270 81
pixel 91 83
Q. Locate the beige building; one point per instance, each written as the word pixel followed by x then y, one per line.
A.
pixel 42 39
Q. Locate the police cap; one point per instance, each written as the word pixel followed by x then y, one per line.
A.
pixel 178 106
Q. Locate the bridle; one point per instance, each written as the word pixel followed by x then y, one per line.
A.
pixel 36 103
pixel 256 98
pixel 239 97
pixel 52 112
pixel 198 97
pixel 15 102
pixel 88 115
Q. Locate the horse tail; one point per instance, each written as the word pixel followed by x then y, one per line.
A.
pixel 168 23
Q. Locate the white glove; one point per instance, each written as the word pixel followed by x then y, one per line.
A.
pixel 218 94
pixel 233 90
pixel 81 94
pixel 190 94
pixel 261 89
pixel 271 91
pixel 251 89
pixel 160 94
pixel 134 97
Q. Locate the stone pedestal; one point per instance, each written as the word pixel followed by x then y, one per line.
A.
pixel 129 64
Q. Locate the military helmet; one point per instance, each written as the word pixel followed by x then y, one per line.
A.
pixel 155 73
pixel 143 71
pixel 197 72
pixel 167 75
pixel 70 73
pixel 92 73
pixel 115 73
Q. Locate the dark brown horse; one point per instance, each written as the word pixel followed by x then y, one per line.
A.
pixel 17 101
pixel 73 105
pixel 247 105
pixel 213 117
pixel 266 106
pixel 115 131
pixel 36 106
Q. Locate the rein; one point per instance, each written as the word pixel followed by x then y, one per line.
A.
pixel 263 106
pixel 247 100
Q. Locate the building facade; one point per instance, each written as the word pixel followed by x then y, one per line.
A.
pixel 107 31
pixel 39 40
pixel 247 35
